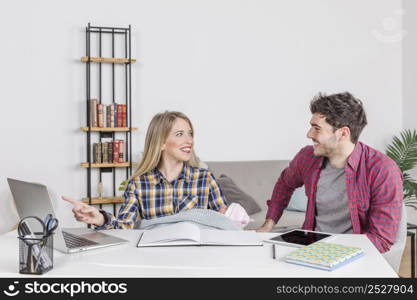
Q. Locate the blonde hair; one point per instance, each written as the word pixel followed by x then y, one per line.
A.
pixel 156 136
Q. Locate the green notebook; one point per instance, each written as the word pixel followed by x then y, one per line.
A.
pixel 325 256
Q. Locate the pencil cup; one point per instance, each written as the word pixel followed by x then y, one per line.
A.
pixel 36 253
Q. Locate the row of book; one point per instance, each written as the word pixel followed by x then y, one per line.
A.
pixel 105 116
pixel 108 152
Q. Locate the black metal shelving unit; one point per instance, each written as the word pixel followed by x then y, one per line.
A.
pixel 125 61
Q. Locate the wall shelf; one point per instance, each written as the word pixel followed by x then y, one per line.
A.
pixel 106 165
pixel 109 129
pixel 119 83
pixel 112 60
pixel 104 200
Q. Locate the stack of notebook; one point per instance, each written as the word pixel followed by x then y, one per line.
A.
pixel 325 256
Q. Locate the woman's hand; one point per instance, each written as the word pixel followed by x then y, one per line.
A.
pixel 86 213
pixel 222 209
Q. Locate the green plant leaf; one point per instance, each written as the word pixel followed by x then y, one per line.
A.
pixel 403 150
pixel 123 185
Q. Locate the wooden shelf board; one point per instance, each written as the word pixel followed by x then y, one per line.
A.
pixel 109 129
pixel 107 60
pixel 104 200
pixel 107 165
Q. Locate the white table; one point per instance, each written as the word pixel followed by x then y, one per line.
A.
pixel 205 261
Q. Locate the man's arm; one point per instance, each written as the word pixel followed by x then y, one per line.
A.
pixel 385 207
pixel 289 180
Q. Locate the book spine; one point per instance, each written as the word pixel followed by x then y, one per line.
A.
pixel 94 153
pixel 115 114
pixel 116 151
pixel 112 115
pixel 93 112
pixel 100 114
pixel 99 153
pixel 104 151
pixel 121 151
pixel 124 116
pixel 104 116
pixel 108 115
pixel 119 115
pixel 110 152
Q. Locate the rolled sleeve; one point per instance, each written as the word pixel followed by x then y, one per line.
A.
pixel 288 181
pixel 216 197
pixel 385 207
pixel 128 213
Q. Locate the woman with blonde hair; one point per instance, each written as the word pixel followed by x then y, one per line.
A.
pixel 167 180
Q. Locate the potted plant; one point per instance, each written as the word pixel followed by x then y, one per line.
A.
pixel 403 150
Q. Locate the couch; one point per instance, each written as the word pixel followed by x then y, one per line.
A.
pixel 257 178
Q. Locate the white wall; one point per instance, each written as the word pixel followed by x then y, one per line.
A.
pixel 409 63
pixel 244 72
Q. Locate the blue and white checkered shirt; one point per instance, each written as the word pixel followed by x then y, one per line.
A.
pixel 151 196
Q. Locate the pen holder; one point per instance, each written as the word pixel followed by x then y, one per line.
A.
pixel 36 255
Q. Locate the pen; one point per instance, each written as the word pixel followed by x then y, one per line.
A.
pixel 273 251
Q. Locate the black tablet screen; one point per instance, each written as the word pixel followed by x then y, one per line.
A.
pixel 300 237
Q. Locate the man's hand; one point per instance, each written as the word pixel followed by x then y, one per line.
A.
pixel 267 226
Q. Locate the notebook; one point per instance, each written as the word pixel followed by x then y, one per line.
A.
pixel 189 234
pixel 325 256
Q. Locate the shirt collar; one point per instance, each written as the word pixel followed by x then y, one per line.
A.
pixel 185 174
pixel 353 160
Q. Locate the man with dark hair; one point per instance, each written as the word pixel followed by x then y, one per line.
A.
pixel 351 188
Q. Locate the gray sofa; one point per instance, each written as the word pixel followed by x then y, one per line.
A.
pixel 257 178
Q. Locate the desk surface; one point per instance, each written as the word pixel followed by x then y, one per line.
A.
pixel 206 261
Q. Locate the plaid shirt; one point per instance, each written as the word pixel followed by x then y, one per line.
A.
pixel 374 188
pixel 151 196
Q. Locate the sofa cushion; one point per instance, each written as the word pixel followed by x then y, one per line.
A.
pixel 298 200
pixel 257 178
pixel 234 194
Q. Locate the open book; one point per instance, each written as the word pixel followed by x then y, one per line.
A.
pixel 189 234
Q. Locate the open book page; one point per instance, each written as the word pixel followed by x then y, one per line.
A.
pixel 176 234
pixel 228 237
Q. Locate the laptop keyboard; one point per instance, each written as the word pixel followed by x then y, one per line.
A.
pixel 74 241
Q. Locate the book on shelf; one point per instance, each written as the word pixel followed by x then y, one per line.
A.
pixel 111 115
pixel 107 116
pixel 121 151
pixel 119 115
pixel 115 114
pixel 124 122
pixel 324 256
pixel 105 153
pixel 93 112
pixel 110 152
pixel 94 152
pixel 189 234
pixel 100 155
pixel 104 116
pixel 116 151
pixel 100 115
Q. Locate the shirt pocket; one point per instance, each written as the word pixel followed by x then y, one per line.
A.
pixel 188 202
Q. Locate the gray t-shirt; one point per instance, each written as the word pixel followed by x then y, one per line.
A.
pixel 332 210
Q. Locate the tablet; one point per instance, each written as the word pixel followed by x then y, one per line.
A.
pixel 299 238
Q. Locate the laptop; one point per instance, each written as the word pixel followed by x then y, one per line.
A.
pixel 34 199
